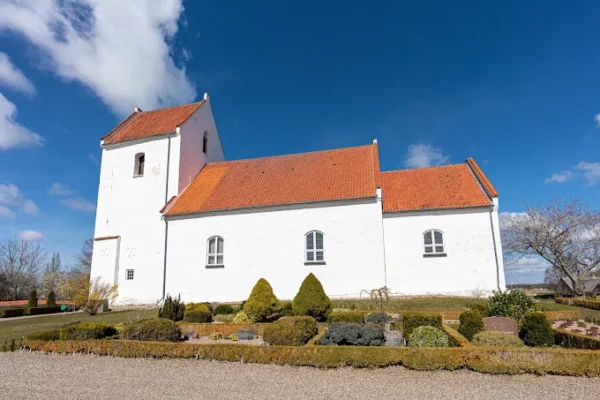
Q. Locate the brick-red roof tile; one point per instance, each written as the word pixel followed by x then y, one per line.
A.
pixel 143 124
pixel 346 173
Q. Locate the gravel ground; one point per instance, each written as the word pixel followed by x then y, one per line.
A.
pixel 38 376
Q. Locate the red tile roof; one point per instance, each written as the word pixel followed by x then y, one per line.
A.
pixel 346 173
pixel 485 182
pixel 447 186
pixel 143 124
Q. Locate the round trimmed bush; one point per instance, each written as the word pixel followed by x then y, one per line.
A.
pixel 199 314
pixel 428 336
pixel 262 303
pixel 311 300
pixel 157 329
pixel 87 331
pixel 496 339
pixel 340 334
pixel 471 323
pixel 290 331
pixel 537 331
pixel 223 309
pixel 241 318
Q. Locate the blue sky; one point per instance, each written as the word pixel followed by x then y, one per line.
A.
pixel 512 84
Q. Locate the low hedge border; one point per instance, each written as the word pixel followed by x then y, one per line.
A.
pixel 12 312
pixel 225 329
pixel 456 338
pixel 563 315
pixel 44 310
pixel 591 304
pixel 572 340
pixel 481 359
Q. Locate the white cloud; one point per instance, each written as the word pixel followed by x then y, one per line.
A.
pixel 590 171
pixel 12 134
pixel 122 50
pixel 31 236
pixel 79 204
pixel 424 155
pixel 560 177
pixel 11 196
pixel 597 119
pixel 13 78
pixel 6 212
pixel 508 218
pixel 93 158
pixel 58 189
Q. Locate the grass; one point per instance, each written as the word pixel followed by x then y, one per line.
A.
pixel 412 304
pixel 17 328
pixel 550 305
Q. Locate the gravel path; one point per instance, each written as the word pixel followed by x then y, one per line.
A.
pixel 37 376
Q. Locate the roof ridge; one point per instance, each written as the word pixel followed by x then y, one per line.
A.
pixel 481 177
pixel 171 107
pixel 286 155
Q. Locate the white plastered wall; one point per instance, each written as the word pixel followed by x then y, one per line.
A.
pixel 269 243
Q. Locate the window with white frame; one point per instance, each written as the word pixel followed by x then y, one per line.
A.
pixel 434 242
pixel 214 253
pixel 314 251
pixel 129 274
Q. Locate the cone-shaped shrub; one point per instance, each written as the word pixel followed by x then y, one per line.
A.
pixel 537 331
pixel 51 299
pixel 471 323
pixel 262 303
pixel 172 309
pixel 311 300
pixel 33 299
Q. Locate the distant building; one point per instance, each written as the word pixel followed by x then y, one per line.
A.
pixel 564 287
pixel 174 217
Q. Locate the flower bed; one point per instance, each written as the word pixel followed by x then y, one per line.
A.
pixel 578 327
pixel 490 360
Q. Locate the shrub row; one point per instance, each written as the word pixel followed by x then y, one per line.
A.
pixel 11 312
pixel 414 320
pixel 349 317
pixel 490 360
pixel 225 329
pixel 86 331
pixel 455 337
pixel 44 310
pixel 592 304
pixel 158 329
pixel 571 340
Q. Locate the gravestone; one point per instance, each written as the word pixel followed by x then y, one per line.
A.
pixel 501 324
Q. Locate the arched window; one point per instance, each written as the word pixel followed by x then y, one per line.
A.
pixel 140 161
pixel 314 251
pixel 434 242
pixel 205 143
pixel 214 251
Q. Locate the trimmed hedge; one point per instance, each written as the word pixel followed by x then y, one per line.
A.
pixel 225 329
pixel 350 317
pixel 44 310
pixel 456 339
pixel 290 331
pixel 415 320
pixel 591 304
pixel 53 334
pixel 428 336
pixel 481 359
pixel 496 339
pixel 87 331
pixel 12 312
pixel 572 340
pixel 158 329
pixel 471 323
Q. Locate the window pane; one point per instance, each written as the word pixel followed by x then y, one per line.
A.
pixel 319 240
pixel 319 256
pixel 428 249
pixel 211 245
pixel 427 237
pixel 211 260
pixel 310 256
pixel 220 260
pixel 220 245
pixel 439 249
pixel 438 238
pixel 309 241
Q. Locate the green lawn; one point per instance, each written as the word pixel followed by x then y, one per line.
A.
pixel 412 304
pixel 17 328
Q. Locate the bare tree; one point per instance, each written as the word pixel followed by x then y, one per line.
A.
pixel 84 258
pixel 53 275
pixel 564 233
pixel 552 275
pixel 19 263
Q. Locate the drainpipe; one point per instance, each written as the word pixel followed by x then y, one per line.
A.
pixel 495 248
pixel 165 219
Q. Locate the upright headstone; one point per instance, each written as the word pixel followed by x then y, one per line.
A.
pixel 501 324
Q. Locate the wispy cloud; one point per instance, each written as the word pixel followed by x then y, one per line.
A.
pixel 58 189
pixel 11 198
pixel 424 155
pixel 12 134
pixel 31 235
pixel 103 45
pixel 589 171
pixel 12 77
pixel 93 158
pixel 79 204
pixel 597 120
pixel 6 212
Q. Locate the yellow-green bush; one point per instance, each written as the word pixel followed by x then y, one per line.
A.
pixel 156 329
pixel 87 331
pixel 262 303
pixel 349 317
pixel 497 339
pixel 200 314
pixel 290 331
pixel 482 359
pixel 311 300
pixel 471 323
pixel 241 318
pixel 411 321
pixel 225 329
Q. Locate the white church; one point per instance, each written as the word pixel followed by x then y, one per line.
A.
pixel 174 217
